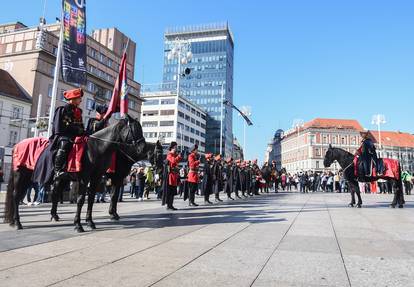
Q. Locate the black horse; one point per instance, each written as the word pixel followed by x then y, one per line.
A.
pixel 346 161
pixel 153 153
pixel 124 137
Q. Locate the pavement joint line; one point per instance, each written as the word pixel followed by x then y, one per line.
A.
pixel 124 257
pixel 280 241
pixel 65 253
pixel 337 242
pixel 200 255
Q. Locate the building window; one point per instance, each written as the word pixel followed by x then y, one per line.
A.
pixel 90 104
pixel 151 102
pixel 150 135
pixel 166 134
pixel 150 113
pixel 13 137
pixel 131 104
pixel 17 112
pixel 149 124
pixel 166 123
pixel 167 112
pixel 180 114
pixel 168 102
pixel 318 152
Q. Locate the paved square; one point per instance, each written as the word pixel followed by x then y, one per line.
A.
pixel 285 239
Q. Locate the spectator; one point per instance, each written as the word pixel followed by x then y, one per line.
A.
pixel 140 184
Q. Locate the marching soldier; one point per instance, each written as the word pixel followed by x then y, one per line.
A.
pixel 171 176
pixel 207 183
pixel 193 164
pixel 217 178
pixel 228 185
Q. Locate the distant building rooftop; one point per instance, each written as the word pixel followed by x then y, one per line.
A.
pixel 9 87
pixel 394 139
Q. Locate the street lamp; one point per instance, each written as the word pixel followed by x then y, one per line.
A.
pixel 297 124
pixel 378 120
pixel 247 112
pixel 180 50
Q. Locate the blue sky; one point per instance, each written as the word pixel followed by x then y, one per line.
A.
pixel 293 59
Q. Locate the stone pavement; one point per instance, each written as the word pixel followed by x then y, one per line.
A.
pixel 285 239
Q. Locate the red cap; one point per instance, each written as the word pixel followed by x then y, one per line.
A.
pixel 73 94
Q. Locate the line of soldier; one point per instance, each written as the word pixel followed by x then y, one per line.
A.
pixel 216 175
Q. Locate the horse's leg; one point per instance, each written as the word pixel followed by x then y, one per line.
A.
pixel 80 202
pixel 358 192
pixel 91 201
pixel 114 202
pixel 21 183
pixel 352 189
pixel 55 199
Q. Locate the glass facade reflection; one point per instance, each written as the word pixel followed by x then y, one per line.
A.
pixel 211 74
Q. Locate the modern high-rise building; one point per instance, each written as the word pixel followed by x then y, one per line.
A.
pixel 210 78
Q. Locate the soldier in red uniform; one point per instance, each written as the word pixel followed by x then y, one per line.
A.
pixel 193 164
pixel 172 177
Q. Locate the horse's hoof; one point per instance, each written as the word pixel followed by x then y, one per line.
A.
pixel 115 216
pixel 392 206
pixel 55 217
pixel 79 228
pixel 358 205
pixel 400 206
pixel 91 224
pixel 19 226
pixel 351 205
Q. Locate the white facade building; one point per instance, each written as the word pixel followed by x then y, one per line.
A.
pixel 167 118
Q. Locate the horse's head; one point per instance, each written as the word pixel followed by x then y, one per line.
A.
pixel 131 136
pixel 329 157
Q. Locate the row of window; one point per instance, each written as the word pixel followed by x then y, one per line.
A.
pixel 148 124
pixel 100 57
pixel 190 140
pixel 156 113
pixel 158 102
pixel 182 126
pixel 191 119
pixel 191 109
pixel 101 74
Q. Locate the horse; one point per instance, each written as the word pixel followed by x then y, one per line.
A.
pixel 125 137
pixel 153 152
pixel 346 161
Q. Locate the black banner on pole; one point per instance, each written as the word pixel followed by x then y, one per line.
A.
pixel 74 41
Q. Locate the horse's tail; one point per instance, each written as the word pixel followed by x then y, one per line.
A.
pixel 9 205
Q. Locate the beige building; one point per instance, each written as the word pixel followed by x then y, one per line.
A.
pixel 29 55
pixel 168 118
pixel 304 148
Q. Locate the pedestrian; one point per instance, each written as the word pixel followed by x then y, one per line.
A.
pixel 207 183
pixel 140 184
pixel 149 181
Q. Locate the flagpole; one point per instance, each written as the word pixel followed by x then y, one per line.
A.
pixel 55 80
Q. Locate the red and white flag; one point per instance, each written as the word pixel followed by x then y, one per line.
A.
pixel 119 100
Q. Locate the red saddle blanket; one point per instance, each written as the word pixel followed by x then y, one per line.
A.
pixel 391 168
pixel 27 152
pixel 76 154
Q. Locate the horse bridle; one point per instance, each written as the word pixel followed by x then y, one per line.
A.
pixel 133 144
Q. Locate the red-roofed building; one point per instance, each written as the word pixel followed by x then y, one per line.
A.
pixel 304 147
pixel 396 145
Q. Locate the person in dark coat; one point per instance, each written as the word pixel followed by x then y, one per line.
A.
pixel 193 164
pixel 229 182
pixel 207 183
pixel 217 178
pixel 171 177
pixel 67 124
pixel 235 169
pixel 98 123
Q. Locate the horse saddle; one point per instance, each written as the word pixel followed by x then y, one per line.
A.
pixel 368 169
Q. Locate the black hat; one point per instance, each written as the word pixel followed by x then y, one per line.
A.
pixel 101 109
pixel 194 147
pixel 172 145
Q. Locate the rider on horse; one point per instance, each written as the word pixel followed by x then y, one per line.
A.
pixel 368 154
pixel 67 125
pixel 99 122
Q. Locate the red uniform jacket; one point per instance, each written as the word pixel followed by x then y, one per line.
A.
pixel 173 176
pixel 193 164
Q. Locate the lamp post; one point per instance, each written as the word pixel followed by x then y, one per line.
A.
pixel 297 124
pixel 246 111
pixel 221 119
pixel 181 50
pixel 378 120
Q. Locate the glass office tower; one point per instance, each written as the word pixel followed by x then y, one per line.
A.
pixel 210 79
